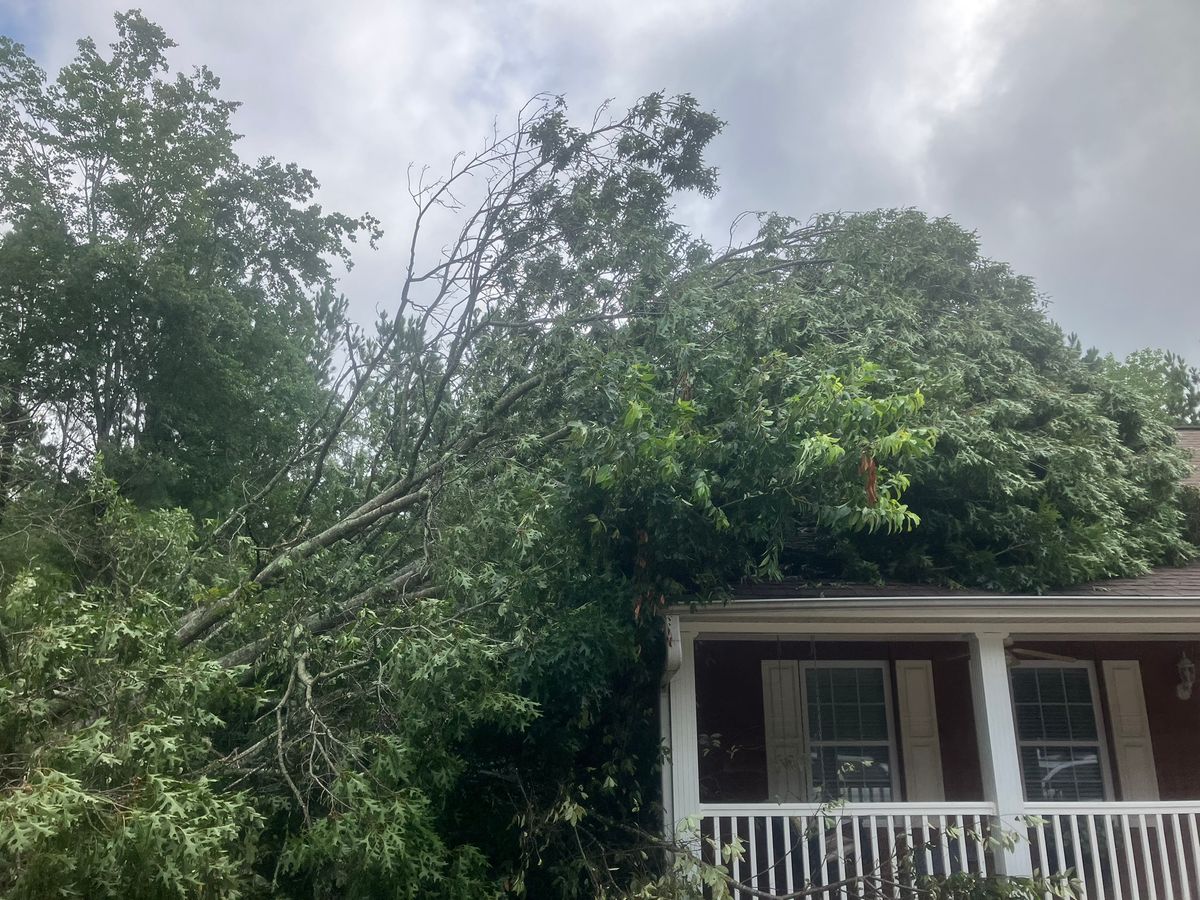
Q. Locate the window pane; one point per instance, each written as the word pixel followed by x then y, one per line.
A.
pixel 1055 724
pixel 1029 721
pixel 1024 685
pixel 845 685
pixel 1043 710
pixel 846 726
pixel 870 685
pixel 856 774
pixel 1078 686
pixel 820 722
pixel 819 688
pixel 1050 685
pixel 1062 773
pixel 846 704
pixel 874 722
pixel 1083 722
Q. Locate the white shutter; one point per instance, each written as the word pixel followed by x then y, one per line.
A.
pixel 784 730
pixel 919 731
pixel 1131 729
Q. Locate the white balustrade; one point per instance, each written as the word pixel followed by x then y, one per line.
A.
pixel 1109 851
pixel 1120 851
pixel 877 849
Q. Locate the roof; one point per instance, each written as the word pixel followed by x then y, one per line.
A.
pixel 1189 440
pixel 1165 582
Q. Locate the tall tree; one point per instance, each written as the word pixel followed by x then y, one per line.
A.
pixel 1167 376
pixel 1049 470
pixel 433 673
pixel 161 301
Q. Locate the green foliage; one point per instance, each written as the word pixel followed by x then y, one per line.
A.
pixel 429 593
pixel 1048 471
pixel 160 299
pixel 105 729
pixel 1165 376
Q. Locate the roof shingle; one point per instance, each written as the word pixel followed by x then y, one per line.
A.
pixel 1162 582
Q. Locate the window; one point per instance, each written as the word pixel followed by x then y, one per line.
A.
pixel 849 731
pixel 1058 732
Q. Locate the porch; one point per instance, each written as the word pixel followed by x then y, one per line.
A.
pixel 881 740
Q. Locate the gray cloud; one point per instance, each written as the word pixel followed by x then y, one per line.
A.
pixel 1067 132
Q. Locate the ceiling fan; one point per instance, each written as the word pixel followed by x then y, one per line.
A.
pixel 1015 655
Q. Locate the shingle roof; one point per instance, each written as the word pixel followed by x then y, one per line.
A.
pixel 1189 440
pixel 1163 582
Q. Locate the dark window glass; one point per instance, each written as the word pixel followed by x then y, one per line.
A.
pixel 1058 733
pixel 1062 773
pixel 850 754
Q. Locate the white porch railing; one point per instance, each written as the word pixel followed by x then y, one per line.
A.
pixel 872 849
pixel 1121 851
pixel 1114 851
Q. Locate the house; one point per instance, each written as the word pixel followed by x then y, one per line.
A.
pixel 1189 441
pixel 897 731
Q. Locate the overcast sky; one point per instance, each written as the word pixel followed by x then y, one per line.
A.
pixel 1066 132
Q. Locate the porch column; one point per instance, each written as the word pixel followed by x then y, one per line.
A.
pixel 685 751
pixel 999 762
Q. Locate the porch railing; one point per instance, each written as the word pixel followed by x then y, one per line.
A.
pixel 1120 851
pixel 1112 851
pixel 872 849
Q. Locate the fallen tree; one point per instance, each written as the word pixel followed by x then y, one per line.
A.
pixel 414 649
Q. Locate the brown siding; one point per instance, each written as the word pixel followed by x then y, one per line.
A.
pixel 729 704
pixel 1174 723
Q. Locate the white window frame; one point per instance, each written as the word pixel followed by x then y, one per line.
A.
pixel 886 672
pixel 1097 710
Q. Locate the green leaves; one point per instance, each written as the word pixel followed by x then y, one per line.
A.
pixel 1033 438
pixel 160 299
pixel 105 726
pixel 450 588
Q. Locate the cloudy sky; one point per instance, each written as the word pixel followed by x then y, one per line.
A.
pixel 1066 132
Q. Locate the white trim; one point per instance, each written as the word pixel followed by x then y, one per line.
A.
pixel 931 616
pixel 1117 806
pixel 685 758
pixel 674 642
pixel 783 730
pixel 1097 712
pixel 858 809
pixel 885 670
pixel 668 774
pixel 964 600
pixel 999 763
pixel 1133 750
pixel 920 734
pixel 765 634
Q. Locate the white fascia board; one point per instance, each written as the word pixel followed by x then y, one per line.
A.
pixel 946 615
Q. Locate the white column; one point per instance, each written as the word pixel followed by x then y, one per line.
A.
pixel 998 758
pixel 668 783
pixel 685 750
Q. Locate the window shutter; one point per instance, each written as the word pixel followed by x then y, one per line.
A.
pixel 1131 729
pixel 784 730
pixel 919 731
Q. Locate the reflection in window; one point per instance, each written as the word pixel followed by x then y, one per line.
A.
pixel 1058 733
pixel 849 737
